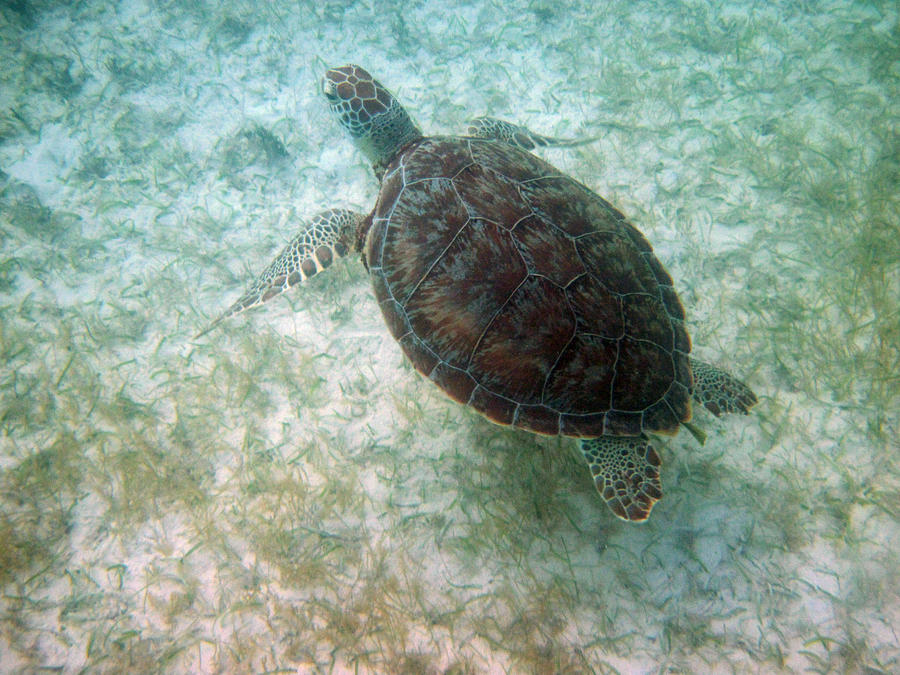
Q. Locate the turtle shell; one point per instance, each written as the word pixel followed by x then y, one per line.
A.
pixel 524 294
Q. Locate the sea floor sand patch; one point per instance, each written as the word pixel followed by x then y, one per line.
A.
pixel 288 495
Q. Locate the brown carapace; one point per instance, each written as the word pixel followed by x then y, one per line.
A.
pixel 525 295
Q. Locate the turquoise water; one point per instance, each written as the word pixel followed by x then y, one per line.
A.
pixel 286 494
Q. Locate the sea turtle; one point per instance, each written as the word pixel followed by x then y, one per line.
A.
pixel 514 288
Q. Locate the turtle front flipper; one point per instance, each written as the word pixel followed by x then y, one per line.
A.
pixel 519 136
pixel 719 391
pixel 626 473
pixel 328 236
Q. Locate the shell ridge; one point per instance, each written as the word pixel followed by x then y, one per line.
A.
pixel 552 370
pixel 549 176
pixel 441 255
pixel 615 375
pixel 491 322
pixel 386 219
pixel 651 342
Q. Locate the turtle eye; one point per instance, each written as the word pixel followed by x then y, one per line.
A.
pixel 337 91
pixel 329 89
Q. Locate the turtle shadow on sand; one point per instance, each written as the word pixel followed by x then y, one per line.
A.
pixel 515 288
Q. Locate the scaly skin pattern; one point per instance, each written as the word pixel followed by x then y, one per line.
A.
pixel 321 241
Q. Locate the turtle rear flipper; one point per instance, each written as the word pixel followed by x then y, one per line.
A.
pixel 519 136
pixel 719 391
pixel 325 238
pixel 626 473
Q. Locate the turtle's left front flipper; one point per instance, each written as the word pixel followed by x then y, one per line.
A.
pixel 325 238
pixel 519 136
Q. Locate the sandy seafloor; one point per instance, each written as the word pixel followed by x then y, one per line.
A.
pixel 285 494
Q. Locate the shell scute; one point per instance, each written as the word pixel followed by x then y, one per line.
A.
pixel 665 417
pixel 509 161
pixel 581 425
pixel 623 423
pixel 536 335
pixel 646 317
pixel 490 195
pixel 455 381
pixel 632 394
pixel 538 418
pixel 394 314
pixel 674 309
pixel 599 310
pixel 457 298
pixel 548 253
pixel 437 158
pixel 411 245
pixel 659 273
pixel 622 269
pixel 422 357
pixel 570 206
pixel 500 409
pixel 582 378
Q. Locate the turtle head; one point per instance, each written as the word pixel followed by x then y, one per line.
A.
pixel 379 125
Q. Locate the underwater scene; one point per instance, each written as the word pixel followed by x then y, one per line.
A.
pixel 281 491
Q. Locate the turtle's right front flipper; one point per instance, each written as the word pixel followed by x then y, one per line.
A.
pixel 328 236
pixel 519 136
